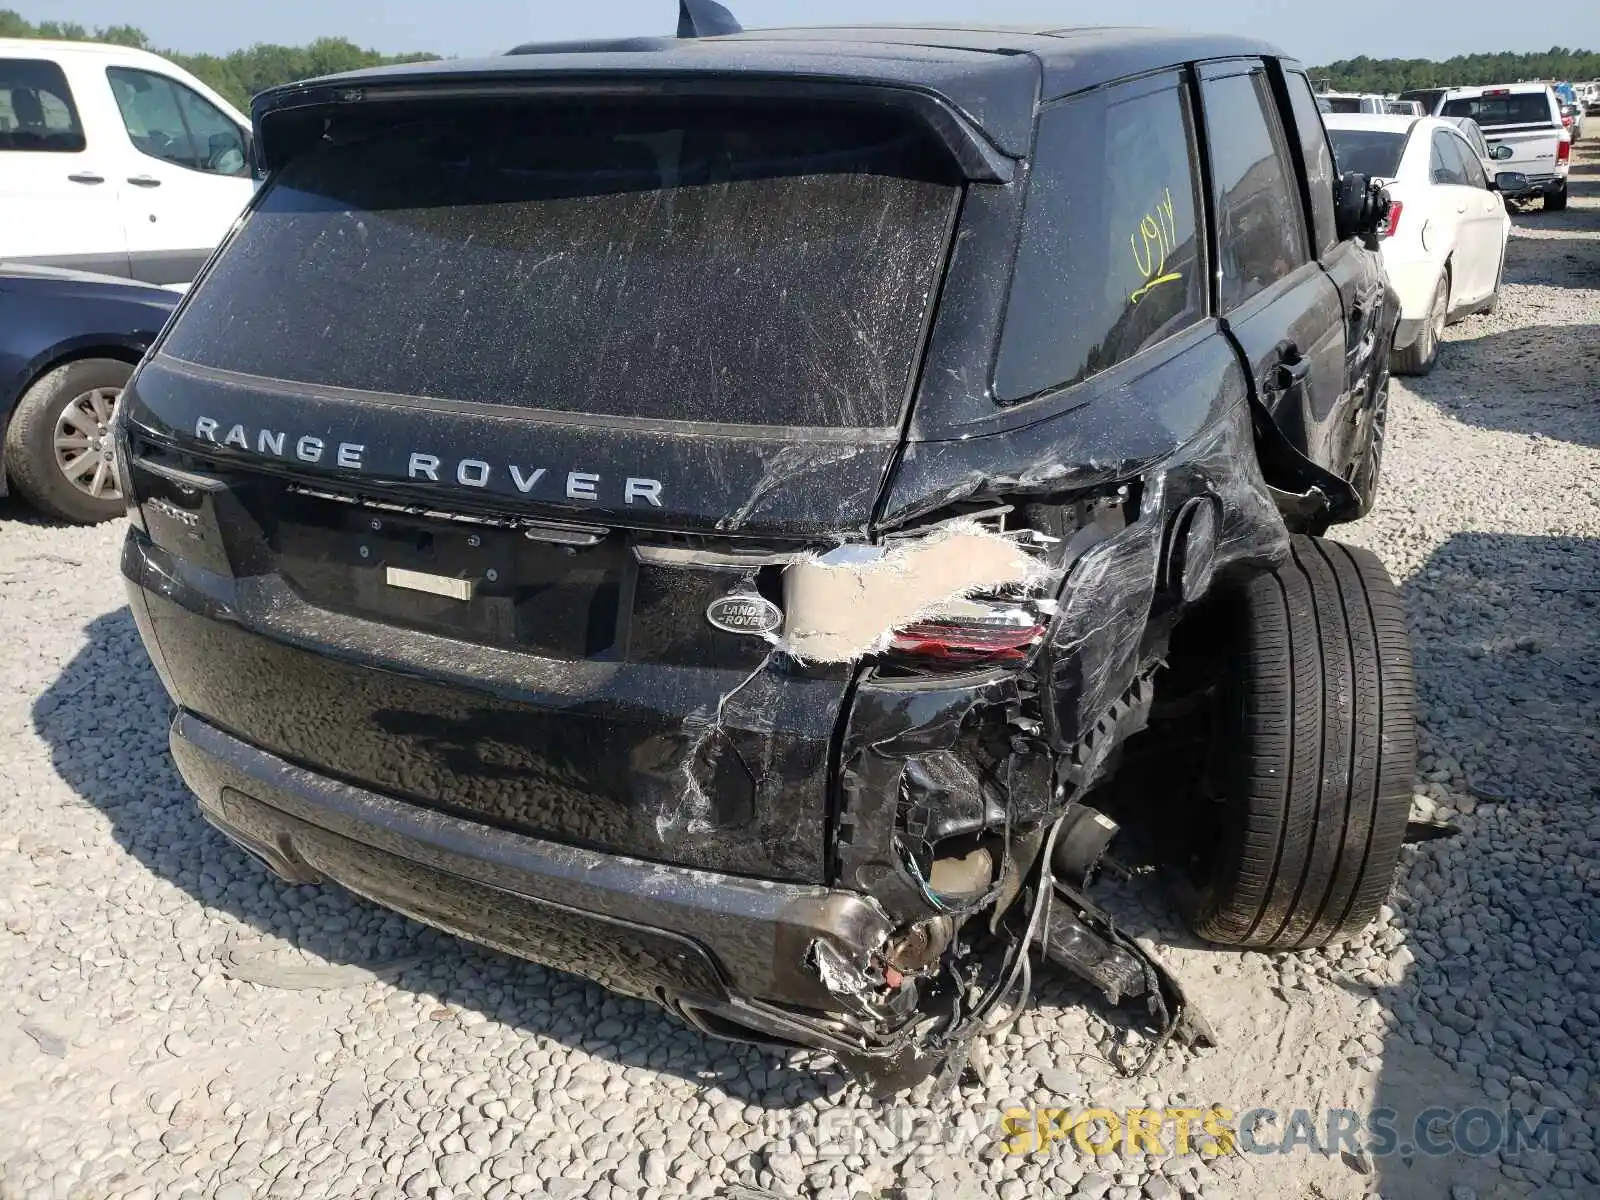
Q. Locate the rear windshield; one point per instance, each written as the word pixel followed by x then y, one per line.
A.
pixel 1369 151
pixel 1344 104
pixel 1523 108
pixel 729 264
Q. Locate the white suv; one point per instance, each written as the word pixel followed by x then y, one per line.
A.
pixel 115 161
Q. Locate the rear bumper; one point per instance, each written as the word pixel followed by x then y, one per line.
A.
pixel 729 954
pixel 1538 185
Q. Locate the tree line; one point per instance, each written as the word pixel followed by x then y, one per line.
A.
pixel 1365 74
pixel 243 73
pixel 238 75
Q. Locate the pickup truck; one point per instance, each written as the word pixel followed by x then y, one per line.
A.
pixel 116 161
pixel 1522 122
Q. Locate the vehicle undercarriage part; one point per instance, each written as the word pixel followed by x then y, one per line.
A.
pixel 1085 835
pixel 1087 942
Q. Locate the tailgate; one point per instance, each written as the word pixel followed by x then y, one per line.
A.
pixel 484 410
pixel 1533 151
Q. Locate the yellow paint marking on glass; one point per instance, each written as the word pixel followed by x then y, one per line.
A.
pixel 1156 237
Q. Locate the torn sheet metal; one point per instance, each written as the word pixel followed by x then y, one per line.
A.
pixel 1121 600
pixel 847 603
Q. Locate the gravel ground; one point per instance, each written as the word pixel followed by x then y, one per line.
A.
pixel 175 1022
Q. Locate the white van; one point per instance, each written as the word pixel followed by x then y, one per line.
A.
pixel 115 160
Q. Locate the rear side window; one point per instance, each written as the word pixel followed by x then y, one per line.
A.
pixel 1259 224
pixel 36 108
pixel 1111 260
pixel 724 263
pixel 1318 159
pixel 1371 152
pixel 1522 108
pixel 1444 164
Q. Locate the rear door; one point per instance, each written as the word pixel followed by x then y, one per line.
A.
pixel 1280 306
pixel 58 193
pixel 512 396
pixel 1479 214
pixel 1356 272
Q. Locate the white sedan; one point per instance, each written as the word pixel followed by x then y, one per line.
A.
pixel 1444 243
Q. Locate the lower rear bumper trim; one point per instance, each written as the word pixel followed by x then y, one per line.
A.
pixel 674 934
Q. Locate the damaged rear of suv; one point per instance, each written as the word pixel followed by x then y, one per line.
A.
pixel 744 518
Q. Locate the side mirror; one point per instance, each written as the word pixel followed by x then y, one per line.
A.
pixel 1501 153
pixel 1511 183
pixel 1360 208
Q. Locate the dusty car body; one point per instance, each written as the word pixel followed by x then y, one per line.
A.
pixel 729 574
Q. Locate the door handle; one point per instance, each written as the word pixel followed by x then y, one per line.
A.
pixel 86 177
pixel 144 181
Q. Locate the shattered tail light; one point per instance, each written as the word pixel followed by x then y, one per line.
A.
pixel 1006 635
pixel 1392 221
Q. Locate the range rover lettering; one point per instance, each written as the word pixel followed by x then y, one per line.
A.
pixel 749 517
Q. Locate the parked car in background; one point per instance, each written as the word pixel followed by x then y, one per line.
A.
pixel 1428 99
pixel 1522 123
pixel 1591 98
pixel 1572 117
pixel 115 161
pixel 1444 242
pixel 68 342
pixel 1365 102
pixel 770 661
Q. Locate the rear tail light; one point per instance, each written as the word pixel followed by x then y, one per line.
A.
pixel 1563 152
pixel 1567 122
pixel 1392 221
pixel 974 631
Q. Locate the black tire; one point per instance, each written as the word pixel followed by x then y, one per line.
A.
pixel 1419 357
pixel 30 450
pixel 1555 201
pixel 1321 750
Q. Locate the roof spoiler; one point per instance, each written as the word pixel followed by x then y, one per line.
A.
pixel 705 18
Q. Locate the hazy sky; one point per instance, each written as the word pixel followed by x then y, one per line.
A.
pixel 1316 31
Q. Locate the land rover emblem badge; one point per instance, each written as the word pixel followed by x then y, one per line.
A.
pixel 745 613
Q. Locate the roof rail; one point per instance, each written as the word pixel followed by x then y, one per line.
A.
pixel 705 18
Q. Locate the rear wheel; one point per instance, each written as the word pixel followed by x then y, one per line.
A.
pixel 1419 357
pixel 1556 201
pixel 1313 790
pixel 58 448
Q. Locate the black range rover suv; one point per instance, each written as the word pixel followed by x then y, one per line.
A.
pixel 747 518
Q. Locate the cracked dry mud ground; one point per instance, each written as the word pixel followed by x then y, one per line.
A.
pixel 136 1060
